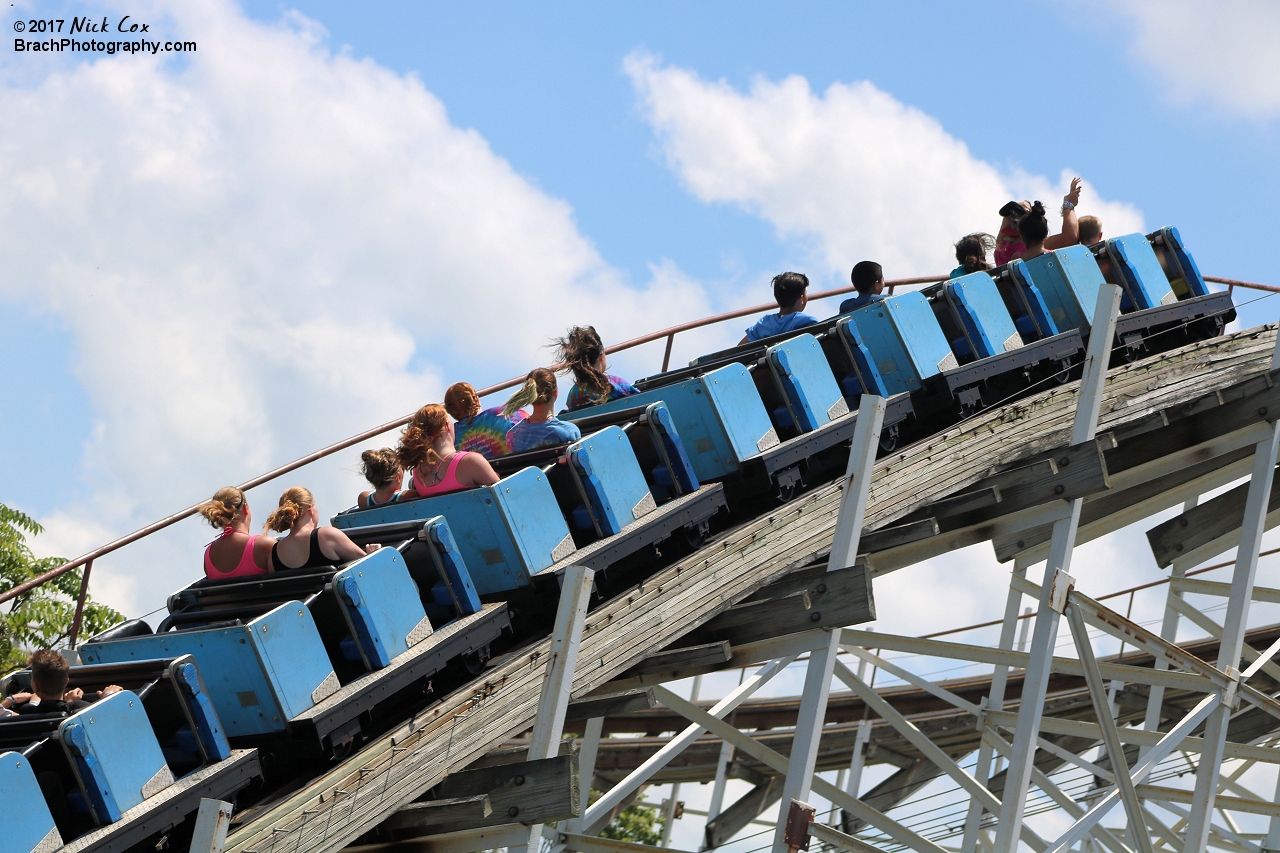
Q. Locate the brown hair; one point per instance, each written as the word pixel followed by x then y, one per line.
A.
pixel 295 501
pixel 221 509
pixel 380 467
pixel 539 387
pixel 971 251
pixel 461 401
pixel 1089 229
pixel 417 442
pixel 580 350
pixel 49 672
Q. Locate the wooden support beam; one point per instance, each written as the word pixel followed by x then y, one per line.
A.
pixel 611 706
pixel 437 814
pixel 1229 410
pixel 846 600
pixel 967 501
pixel 1214 519
pixel 687 657
pixel 1071 472
pixel 900 534
pixel 529 792
pixel 1107 511
pixel 745 809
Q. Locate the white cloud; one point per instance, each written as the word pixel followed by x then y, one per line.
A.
pixel 263 248
pixel 1224 52
pixel 852 170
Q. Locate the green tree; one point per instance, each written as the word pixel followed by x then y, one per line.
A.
pixel 39 618
pixel 640 824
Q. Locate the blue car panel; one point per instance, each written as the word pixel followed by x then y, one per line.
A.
pixel 671 448
pixel 259 675
pixel 115 755
pixel 903 335
pixel 505 532
pixel 802 371
pixel 1182 270
pixel 1139 270
pixel 611 479
pixel 382 607
pixel 983 314
pixel 1068 279
pixel 448 561
pixel 867 378
pixel 718 415
pixel 24 814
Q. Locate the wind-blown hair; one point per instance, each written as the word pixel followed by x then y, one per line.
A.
pixel 417 441
pixel 580 350
pixel 539 387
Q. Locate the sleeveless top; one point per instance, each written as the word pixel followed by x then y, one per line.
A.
pixel 448 483
pixel 245 567
pixel 370 503
pixel 315 557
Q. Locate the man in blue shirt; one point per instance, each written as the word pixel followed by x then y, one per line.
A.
pixel 868 278
pixel 789 290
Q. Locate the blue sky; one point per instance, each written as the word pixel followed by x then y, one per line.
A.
pixel 222 261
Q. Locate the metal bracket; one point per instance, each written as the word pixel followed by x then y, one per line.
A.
pixel 1063 583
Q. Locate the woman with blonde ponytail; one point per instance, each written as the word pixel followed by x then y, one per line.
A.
pixel 237 552
pixel 478 431
pixel 308 545
pixel 426 446
pixel 542 428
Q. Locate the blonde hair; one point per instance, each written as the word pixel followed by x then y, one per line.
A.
pixel 220 510
pixel 539 387
pixel 417 442
pixel 461 401
pixel 295 501
pixel 380 467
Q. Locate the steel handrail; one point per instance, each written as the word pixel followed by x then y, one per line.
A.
pixel 668 333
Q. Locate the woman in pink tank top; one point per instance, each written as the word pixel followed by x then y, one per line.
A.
pixel 426 446
pixel 237 552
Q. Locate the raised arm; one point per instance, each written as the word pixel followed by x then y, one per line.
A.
pixel 1070 234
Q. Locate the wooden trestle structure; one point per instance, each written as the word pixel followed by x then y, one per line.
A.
pixel 1036 477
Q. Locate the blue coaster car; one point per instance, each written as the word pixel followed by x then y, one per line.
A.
pixel 718 414
pixel 90 766
pixel 984 322
pixel 25 816
pixel 1179 267
pixel 791 374
pixel 655 442
pixel 799 370
pixel 1068 280
pixel 904 338
pixel 506 533
pixel 89 780
pixel 1130 262
pixel 261 672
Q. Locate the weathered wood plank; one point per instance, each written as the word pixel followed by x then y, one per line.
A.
pixel 1113 503
pixel 837 599
pixel 899 534
pixel 706 654
pixel 623 703
pixel 1202 524
pixel 529 792
pixel 433 814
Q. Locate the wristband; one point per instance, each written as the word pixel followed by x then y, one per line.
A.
pixel 1067 205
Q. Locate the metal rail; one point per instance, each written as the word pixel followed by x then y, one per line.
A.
pixel 667 333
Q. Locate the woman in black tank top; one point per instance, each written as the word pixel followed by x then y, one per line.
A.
pixel 326 546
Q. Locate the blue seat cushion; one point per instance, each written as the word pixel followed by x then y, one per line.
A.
pixel 961 348
pixel 582 518
pixel 850 386
pixel 1026 328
